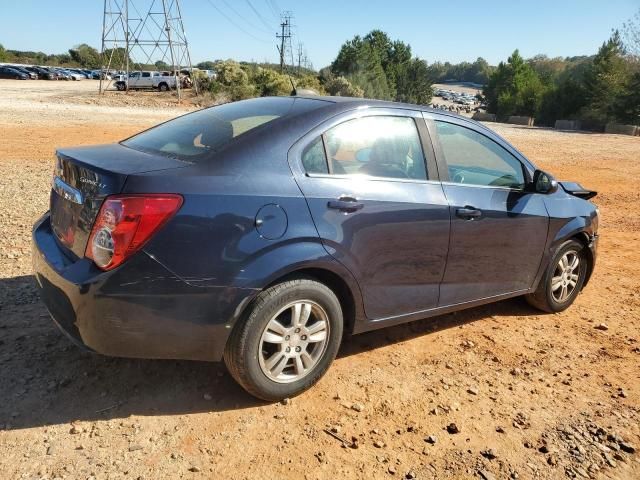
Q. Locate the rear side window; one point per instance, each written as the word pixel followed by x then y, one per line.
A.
pixel 313 158
pixel 194 136
pixel 378 146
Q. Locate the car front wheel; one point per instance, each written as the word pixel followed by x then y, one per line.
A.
pixel 288 340
pixel 563 279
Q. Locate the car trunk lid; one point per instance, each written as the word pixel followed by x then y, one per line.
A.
pixel 84 177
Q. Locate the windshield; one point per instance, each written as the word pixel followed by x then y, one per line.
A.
pixel 193 136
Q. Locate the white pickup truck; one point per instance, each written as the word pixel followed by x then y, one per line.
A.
pixel 146 79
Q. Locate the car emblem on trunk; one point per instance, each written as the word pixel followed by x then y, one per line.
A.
pixel 94 183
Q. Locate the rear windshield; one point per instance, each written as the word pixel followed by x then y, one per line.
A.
pixel 192 137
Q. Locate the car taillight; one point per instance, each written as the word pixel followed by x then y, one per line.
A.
pixel 125 223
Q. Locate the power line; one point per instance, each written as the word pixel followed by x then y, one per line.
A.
pixel 274 8
pixel 235 24
pixel 259 15
pixel 243 17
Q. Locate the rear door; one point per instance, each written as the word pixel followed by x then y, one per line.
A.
pixel 498 229
pixel 146 80
pixel 372 187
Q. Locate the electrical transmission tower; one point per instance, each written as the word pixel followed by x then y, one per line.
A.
pixel 285 39
pixel 143 34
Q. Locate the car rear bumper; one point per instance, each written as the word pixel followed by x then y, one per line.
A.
pixel 139 310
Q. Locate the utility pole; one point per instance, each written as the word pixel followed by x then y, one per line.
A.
pixel 300 55
pixel 138 33
pixel 285 37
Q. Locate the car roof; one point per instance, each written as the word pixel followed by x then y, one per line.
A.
pixel 348 103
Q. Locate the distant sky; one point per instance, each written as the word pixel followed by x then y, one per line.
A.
pixel 444 30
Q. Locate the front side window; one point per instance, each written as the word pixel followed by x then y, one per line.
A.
pixel 372 146
pixel 474 159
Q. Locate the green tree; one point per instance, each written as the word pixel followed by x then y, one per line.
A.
pixel 85 56
pixel 562 101
pixel 3 54
pixel 377 64
pixel 369 74
pixel 116 57
pixel 628 110
pixel 348 60
pixel 162 65
pixel 548 69
pixel 479 72
pixel 208 65
pixel 414 85
pixel 606 81
pixel 514 88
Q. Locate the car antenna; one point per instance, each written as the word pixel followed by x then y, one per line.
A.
pixel 294 92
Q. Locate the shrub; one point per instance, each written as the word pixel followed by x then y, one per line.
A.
pixel 341 87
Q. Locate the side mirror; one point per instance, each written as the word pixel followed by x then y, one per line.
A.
pixel 544 183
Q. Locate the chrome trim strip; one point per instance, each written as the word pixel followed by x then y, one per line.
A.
pixel 67 192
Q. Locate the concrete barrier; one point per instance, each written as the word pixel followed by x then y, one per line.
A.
pixel 484 117
pixel 622 129
pixel 516 120
pixel 568 125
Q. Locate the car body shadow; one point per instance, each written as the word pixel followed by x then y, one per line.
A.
pixel 46 380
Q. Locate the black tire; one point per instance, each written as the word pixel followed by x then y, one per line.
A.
pixel 163 87
pixel 244 347
pixel 543 298
pixel 120 86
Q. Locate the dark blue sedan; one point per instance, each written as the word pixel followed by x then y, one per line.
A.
pixel 259 232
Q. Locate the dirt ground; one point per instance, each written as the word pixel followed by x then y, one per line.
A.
pixel 532 396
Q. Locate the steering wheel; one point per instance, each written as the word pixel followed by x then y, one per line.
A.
pixel 458 178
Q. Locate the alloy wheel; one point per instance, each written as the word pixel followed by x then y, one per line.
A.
pixel 294 341
pixel 565 276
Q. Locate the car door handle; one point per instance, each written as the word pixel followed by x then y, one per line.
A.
pixel 345 204
pixel 468 213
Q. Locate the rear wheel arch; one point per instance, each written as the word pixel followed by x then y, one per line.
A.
pixel 335 282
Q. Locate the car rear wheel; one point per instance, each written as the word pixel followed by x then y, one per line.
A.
pixel 287 341
pixel 563 279
pixel 163 87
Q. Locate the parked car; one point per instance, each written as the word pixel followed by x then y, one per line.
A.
pixel 21 69
pixel 11 73
pixel 74 75
pixel 42 73
pixel 146 80
pixel 259 231
pixel 62 74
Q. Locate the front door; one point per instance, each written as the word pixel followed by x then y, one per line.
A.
pixel 373 192
pixel 498 230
